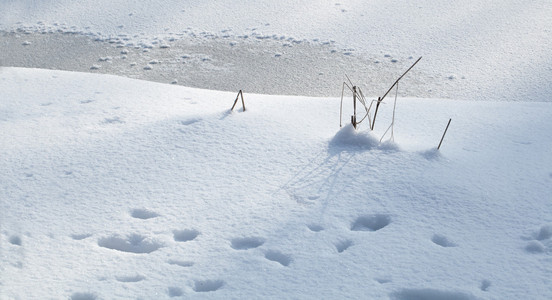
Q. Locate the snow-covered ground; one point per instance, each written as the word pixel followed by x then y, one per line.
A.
pixel 118 188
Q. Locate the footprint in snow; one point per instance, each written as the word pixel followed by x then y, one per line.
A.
pixel 427 293
pixel 278 257
pixel 16 240
pixel 185 235
pixel 343 245
pixel 537 245
pixel 134 278
pixel 442 241
pixel 133 243
pixel 114 120
pixel 544 233
pixel 485 284
pixel 208 285
pixel 82 236
pixel 175 291
pixel 189 121
pixel 315 227
pixel 383 280
pixel 247 243
pixel 83 296
pixel 371 222
pixel 180 263
pixel 142 213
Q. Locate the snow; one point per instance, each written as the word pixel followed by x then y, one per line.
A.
pixel 118 188
pixel 114 187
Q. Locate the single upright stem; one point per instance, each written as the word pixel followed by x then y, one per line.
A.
pixel 444 134
pixel 353 119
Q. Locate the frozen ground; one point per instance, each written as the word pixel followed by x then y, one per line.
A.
pixel 117 188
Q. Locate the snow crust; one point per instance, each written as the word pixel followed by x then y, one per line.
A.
pixel 114 188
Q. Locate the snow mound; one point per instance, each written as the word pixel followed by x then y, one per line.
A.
pixel 348 138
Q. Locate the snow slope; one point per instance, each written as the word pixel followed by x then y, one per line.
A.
pixel 473 50
pixel 114 188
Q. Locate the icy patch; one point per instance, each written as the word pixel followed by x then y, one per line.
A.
pixel 208 285
pixel 278 257
pixel 143 214
pixel 133 243
pixel 185 235
pixel 430 294
pixel 371 222
pixel 442 241
pixel 247 243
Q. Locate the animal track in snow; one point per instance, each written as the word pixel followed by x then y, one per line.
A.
pixel 208 285
pixel 315 228
pixel 343 245
pixel 185 235
pixel 180 263
pixel 442 241
pixel 544 233
pixel 278 257
pixel 134 278
pixel 247 243
pixel 371 222
pixel 16 240
pixel 485 284
pixel 114 120
pixel 175 291
pixel 133 243
pixel 189 121
pixel 383 280
pixel 83 296
pixel 412 294
pixel 79 237
pixel 144 214
pixel 535 247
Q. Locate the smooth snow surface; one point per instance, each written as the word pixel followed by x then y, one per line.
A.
pixel 114 188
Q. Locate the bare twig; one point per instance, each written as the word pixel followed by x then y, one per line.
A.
pixel 380 99
pixel 444 134
pixel 240 93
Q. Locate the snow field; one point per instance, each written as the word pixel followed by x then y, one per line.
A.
pixel 117 188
